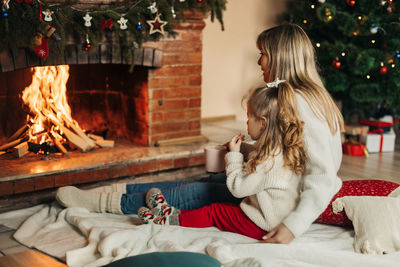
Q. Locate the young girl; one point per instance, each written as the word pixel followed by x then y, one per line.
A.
pixel 269 182
pixel 287 53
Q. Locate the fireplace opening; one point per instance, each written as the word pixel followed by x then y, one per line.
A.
pixel 105 99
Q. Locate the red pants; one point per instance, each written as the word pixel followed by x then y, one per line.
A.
pixel 229 217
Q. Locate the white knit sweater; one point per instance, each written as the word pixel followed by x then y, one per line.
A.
pixel 270 193
pixel 320 181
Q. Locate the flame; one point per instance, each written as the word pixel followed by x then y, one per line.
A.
pixel 47 99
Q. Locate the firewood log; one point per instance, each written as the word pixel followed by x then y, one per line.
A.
pixel 21 150
pixel 11 144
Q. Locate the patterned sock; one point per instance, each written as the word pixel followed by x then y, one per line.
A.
pixel 147 217
pixel 155 200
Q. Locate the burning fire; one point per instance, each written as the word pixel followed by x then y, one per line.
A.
pixel 50 117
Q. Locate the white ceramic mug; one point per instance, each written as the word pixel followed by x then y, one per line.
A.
pixel 215 158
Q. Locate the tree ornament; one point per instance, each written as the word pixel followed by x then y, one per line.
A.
pixel 351 2
pixel 328 15
pixel 41 40
pixel 326 12
pixel 153 8
pixel 106 24
pixel 47 15
pixel 398 54
pixel 139 26
pixel 6 5
pixel 87 45
pixel 199 1
pixel 157 25
pixel 122 23
pixel 173 12
pixel 336 63
pixel 374 28
pixel 389 9
pixel 87 18
pixel 5 14
pixel 383 69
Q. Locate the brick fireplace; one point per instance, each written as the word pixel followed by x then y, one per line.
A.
pixel 161 101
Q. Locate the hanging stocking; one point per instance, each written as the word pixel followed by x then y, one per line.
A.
pixel 41 40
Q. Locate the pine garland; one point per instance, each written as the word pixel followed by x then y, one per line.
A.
pixel 22 20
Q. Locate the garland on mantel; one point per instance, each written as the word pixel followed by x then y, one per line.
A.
pixel 46 27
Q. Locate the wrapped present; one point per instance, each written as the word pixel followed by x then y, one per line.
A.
pixel 377 126
pixel 378 142
pixel 352 129
pixel 354 148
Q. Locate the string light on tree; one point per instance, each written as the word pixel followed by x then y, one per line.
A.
pixel 321 1
pixel 398 54
pixel 6 5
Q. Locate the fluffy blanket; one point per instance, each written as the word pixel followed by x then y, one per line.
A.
pixel 82 238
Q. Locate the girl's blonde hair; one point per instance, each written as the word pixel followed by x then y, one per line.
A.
pixel 283 130
pixel 292 58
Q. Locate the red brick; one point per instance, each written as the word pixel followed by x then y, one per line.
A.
pixel 196 124
pixel 100 174
pixel 181 115
pixel 135 169
pixel 196 160
pixel 175 70
pixel 195 102
pixel 118 171
pixel 165 136
pixel 165 81
pixel 142 111
pixel 150 166
pixel 186 46
pixel 169 127
pixel 44 182
pixel 6 189
pixel 169 104
pixel 191 36
pixel 64 179
pixel 157 93
pixel 194 91
pixel 181 162
pixel 166 164
pixel 181 58
pixel 83 177
pixel 156 117
pixel 195 80
pixel 23 186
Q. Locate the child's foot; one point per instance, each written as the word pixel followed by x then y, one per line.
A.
pixel 146 216
pixel 155 200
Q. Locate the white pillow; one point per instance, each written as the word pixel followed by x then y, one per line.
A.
pixel 376 222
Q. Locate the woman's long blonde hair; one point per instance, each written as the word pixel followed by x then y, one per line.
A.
pixel 292 58
pixel 283 130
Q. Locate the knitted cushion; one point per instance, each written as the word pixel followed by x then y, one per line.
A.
pixel 167 259
pixel 356 188
pixel 375 220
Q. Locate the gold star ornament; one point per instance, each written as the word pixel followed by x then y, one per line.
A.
pixel 157 25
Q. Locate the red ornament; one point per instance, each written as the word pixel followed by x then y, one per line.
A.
pixel 351 2
pixel 383 70
pixel 199 1
pixel 336 64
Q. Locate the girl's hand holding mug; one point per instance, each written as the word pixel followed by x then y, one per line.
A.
pixel 236 141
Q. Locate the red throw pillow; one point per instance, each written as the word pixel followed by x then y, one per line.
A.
pixel 355 188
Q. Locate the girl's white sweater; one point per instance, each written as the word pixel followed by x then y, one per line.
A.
pixel 270 193
pixel 281 196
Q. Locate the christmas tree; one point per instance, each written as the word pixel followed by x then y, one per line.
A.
pixel 358 51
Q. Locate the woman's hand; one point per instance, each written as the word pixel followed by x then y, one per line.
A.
pixel 279 235
pixel 236 141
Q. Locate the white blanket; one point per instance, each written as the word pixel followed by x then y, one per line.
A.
pixel 91 239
